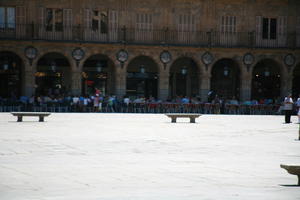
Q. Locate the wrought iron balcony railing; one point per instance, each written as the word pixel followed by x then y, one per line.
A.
pixel 148 37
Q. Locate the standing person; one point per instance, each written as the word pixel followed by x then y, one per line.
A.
pixel 96 103
pixel 288 108
pixel 298 107
pixel 97 91
pixel 298 115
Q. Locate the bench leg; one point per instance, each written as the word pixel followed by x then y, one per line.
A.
pixel 173 120
pixel 192 120
pixel 20 118
pixel 41 118
pixel 299 180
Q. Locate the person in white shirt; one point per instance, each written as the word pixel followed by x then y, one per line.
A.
pixel 126 101
pixel 298 107
pixel 75 100
pixel 288 108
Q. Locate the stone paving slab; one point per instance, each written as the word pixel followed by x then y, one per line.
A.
pixel 146 157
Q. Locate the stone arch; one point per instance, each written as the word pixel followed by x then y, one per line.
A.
pixel 12 70
pixel 95 51
pixel 98 72
pixel 184 77
pixel 266 79
pixel 53 74
pixel 200 67
pixel 282 68
pixel 142 76
pixel 63 53
pixel 17 52
pixel 241 68
pixel 149 58
pixel 225 79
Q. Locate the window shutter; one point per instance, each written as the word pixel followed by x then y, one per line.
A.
pixel 282 31
pixel 258 30
pixel 67 15
pixel 20 21
pixel 87 18
pixel 298 25
pixel 222 24
pixel 193 23
pixel 234 24
pixel 67 21
pixel 179 23
pixel 21 17
pixel 113 25
pixel 258 25
pixel 42 16
pixel 41 25
pixel 282 27
pixel 298 31
pixel 144 27
pixel 87 22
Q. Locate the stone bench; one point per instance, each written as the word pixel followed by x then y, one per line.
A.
pixel 174 116
pixel 20 115
pixel 293 169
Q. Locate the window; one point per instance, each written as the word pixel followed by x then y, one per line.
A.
pixel 186 23
pixel 100 21
pixel 144 27
pixel 7 17
pixel 186 28
pixel 269 28
pixel 54 19
pixel 228 24
pixel 144 21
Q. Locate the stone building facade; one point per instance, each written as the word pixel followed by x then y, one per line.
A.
pixel 244 48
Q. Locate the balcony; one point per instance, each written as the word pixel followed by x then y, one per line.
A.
pixel 149 37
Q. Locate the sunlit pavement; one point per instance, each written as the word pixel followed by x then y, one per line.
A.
pixel 145 157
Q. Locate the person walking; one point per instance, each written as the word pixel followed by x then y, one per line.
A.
pixel 288 108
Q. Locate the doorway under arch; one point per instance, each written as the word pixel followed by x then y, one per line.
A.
pixel 184 79
pixel 142 78
pixel 98 74
pixel 225 79
pixel 266 80
pixel 11 75
pixel 53 76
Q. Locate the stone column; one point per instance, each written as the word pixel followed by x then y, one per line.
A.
pixel 76 82
pixel 163 86
pixel 245 88
pixel 120 80
pixel 286 84
pixel 204 88
pixel 29 80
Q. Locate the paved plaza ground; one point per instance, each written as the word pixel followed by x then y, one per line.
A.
pixel 145 157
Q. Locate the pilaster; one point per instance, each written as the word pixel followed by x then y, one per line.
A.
pixel 204 86
pixel 163 86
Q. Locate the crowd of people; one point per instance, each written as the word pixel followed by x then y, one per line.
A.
pixel 112 103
